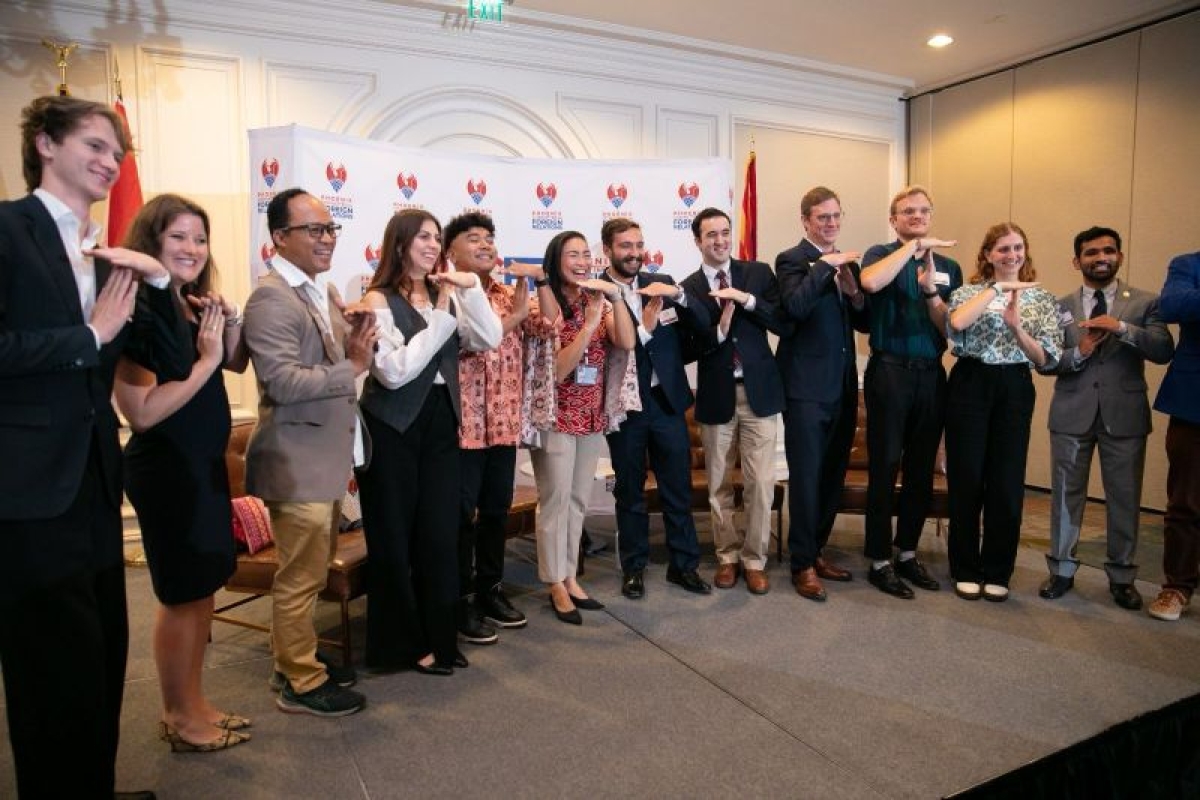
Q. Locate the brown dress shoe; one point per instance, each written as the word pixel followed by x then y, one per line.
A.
pixel 757 581
pixel 726 576
pixel 808 585
pixel 831 572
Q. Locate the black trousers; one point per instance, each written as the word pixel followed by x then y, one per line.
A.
pixel 656 432
pixel 817 438
pixel 989 409
pixel 487 492
pixel 64 638
pixel 410 501
pixel 904 426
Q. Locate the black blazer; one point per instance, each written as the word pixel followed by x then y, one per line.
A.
pixel 55 387
pixel 817 357
pixel 715 397
pixel 664 351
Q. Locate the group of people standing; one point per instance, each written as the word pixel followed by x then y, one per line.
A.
pixel 460 368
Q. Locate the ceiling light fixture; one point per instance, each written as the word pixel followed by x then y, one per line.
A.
pixel 940 40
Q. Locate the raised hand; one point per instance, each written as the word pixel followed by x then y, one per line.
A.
pixel 138 263
pixel 844 278
pixel 607 288
pixel 659 289
pixel 729 293
pixel 531 272
pixel 726 318
pixel 650 310
pixel 837 259
pixel 360 343
pixel 114 304
pixel 1016 286
pixel 1012 311
pixel 594 311
pixel 458 280
pixel 1091 340
pixel 210 343
pixel 1105 322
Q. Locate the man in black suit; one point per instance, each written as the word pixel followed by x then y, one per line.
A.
pixel 658 308
pixel 822 298
pixel 739 395
pixel 64 307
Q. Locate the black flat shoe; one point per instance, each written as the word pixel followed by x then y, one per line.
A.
pixel 1124 594
pixel 433 669
pixel 572 617
pixel 587 603
pixel 1055 587
pixel 460 661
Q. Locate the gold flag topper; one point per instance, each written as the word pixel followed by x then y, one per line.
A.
pixel 63 54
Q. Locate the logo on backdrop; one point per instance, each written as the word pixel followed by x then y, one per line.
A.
pixel 689 193
pixel 617 194
pixel 336 175
pixel 371 255
pixel 341 206
pixel 476 189
pixel 270 171
pixel 652 261
pixel 407 184
pixel 356 287
pixel 546 220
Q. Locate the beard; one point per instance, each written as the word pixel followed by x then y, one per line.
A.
pixel 628 267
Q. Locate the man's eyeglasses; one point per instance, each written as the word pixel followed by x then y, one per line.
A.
pixel 825 219
pixel 915 212
pixel 315 230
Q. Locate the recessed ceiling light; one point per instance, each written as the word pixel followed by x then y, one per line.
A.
pixel 940 40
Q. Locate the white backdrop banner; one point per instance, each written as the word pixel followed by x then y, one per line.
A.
pixel 530 200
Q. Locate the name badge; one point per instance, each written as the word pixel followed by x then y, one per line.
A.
pixel 1065 317
pixel 586 375
pixel 668 316
pixel 941 278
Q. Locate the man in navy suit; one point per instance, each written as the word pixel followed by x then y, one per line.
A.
pixel 1179 396
pixel 822 299
pixel 65 309
pixel 738 396
pixel 658 308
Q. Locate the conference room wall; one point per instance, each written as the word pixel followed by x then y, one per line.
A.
pixel 1103 135
pixel 197 75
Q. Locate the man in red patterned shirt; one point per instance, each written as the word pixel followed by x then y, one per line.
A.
pixel 490 383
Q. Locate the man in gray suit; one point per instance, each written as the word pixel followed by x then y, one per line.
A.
pixel 307 350
pixel 1110 330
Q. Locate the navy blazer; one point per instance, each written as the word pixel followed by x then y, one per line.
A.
pixel 816 358
pixel 664 351
pixel 55 386
pixel 715 384
pixel 1179 394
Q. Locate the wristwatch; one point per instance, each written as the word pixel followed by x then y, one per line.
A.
pixel 540 282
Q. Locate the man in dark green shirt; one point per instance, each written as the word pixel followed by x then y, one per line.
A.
pixel 904 386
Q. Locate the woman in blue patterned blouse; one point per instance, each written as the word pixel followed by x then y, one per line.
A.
pixel 1001 324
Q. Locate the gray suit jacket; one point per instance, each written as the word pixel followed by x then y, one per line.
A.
pixel 1113 379
pixel 302 449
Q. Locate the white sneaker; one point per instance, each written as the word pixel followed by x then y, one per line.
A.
pixel 968 590
pixel 995 592
pixel 1168 605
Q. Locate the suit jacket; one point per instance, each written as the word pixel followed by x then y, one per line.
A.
pixel 55 386
pixel 301 450
pixel 663 353
pixel 818 356
pixel 715 385
pixel 1113 380
pixel 1179 394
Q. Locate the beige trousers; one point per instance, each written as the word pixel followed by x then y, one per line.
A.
pixel 564 469
pixel 754 438
pixel 305 540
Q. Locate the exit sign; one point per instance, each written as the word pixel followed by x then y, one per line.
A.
pixel 486 10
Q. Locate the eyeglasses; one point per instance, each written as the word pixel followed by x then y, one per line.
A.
pixel 316 230
pixel 915 212
pixel 825 219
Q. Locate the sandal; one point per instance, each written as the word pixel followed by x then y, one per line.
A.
pixel 227 739
pixel 233 722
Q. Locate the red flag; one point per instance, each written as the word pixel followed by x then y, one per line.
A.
pixel 748 228
pixel 126 196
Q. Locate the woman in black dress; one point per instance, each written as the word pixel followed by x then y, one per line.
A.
pixel 175 472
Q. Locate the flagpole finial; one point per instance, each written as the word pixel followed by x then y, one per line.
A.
pixel 62 53
pixel 117 78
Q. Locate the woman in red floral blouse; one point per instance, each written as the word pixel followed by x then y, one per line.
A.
pixel 564 466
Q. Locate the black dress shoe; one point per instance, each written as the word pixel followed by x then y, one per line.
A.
pixel 633 585
pixel 460 661
pixel 433 669
pixel 1055 587
pixel 587 603
pixel 688 579
pixel 1126 595
pixel 885 580
pixel 572 617
pixel 913 571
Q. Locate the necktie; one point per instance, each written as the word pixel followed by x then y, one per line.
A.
pixel 1101 306
pixel 723 283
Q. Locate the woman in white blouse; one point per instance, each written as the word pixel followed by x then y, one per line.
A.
pixel 1001 324
pixel 410 405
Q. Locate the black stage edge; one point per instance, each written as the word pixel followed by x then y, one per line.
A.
pixel 1155 755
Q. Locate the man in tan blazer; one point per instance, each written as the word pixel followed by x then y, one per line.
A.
pixel 307 350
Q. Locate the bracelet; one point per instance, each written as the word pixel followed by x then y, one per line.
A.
pixel 540 282
pixel 929 295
